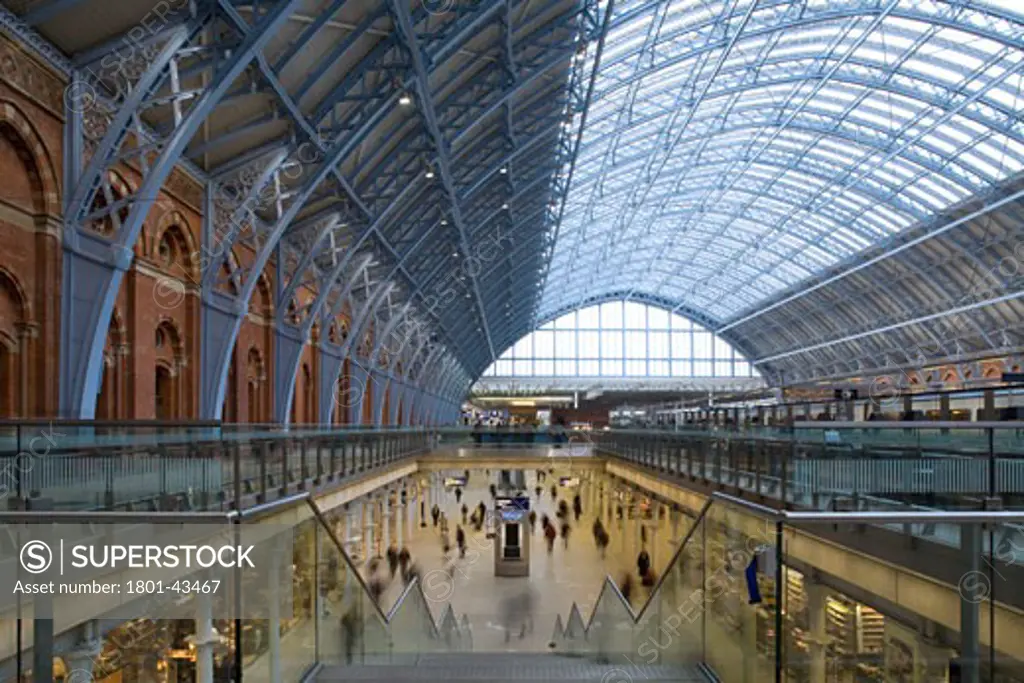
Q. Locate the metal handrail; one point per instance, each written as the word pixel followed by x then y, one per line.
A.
pixel 108 517
pixel 876 517
pixel 264 508
pixel 903 424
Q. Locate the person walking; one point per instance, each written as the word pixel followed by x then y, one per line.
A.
pixel 554 491
pixel 349 624
pixel 376 586
pixel 393 559
pixel 435 513
pixel 549 535
pixel 626 588
pixel 602 541
pixel 460 540
pixel 566 529
pixel 643 563
pixel 533 520
pixel 403 560
pixel 458 494
pixel 577 506
pixel 465 511
pixel 413 573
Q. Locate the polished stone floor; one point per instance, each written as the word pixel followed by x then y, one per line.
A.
pixel 572 573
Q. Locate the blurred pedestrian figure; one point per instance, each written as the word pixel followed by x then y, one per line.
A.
pixel 435 513
pixel 458 494
pixel 643 534
pixel 649 579
pixel 403 560
pixel 619 511
pixel 549 535
pixel 602 541
pixel 545 522
pixel 554 491
pixel 413 573
pixel 626 588
pixel 538 490
pixel 460 540
pixel 465 511
pixel 393 559
pixel 566 529
pixel 349 624
pixel 563 510
pixel 643 563
pixel 494 491
pixel 577 506
pixel 376 586
pixel 533 520
pixel 466 476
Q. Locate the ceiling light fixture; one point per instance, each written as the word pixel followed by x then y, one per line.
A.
pixel 504 207
pixel 405 100
pixel 503 170
pixel 430 174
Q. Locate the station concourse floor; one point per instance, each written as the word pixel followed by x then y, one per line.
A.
pixel 569 574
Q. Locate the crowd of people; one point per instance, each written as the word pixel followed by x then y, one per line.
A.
pixel 399 564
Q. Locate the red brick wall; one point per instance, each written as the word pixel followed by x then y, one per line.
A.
pixel 160 292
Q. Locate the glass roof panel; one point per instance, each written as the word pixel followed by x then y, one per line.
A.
pixel 734 148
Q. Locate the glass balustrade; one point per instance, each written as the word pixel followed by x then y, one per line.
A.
pixel 738 598
pixel 54 470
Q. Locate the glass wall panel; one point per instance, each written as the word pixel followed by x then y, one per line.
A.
pixel 701 345
pixel 611 368
pixel 636 368
pixel 611 315
pixel 611 344
pixel 657 345
pixel 544 344
pixel 589 318
pixel 565 368
pixel 636 316
pixel 636 344
pixel 617 339
pixel 589 344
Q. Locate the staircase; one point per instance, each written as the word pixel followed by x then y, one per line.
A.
pixel 500 667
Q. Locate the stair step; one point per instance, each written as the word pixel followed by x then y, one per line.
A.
pixel 499 668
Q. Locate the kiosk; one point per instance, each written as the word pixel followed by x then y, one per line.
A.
pixel 512 549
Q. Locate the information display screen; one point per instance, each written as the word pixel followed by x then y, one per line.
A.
pixel 519 504
pixel 452 482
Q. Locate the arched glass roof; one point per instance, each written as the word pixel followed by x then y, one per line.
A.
pixel 734 148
